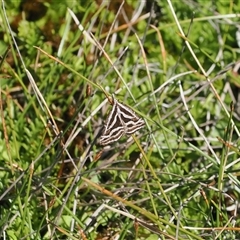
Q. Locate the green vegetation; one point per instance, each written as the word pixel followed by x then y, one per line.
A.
pixel 175 64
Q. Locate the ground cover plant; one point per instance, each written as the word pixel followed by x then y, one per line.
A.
pixel 173 65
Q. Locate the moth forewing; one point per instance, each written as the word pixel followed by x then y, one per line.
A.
pixel 112 136
pixel 133 127
pixel 130 119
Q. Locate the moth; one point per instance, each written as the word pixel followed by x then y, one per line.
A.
pixel 121 120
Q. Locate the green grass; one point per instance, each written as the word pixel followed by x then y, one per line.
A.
pixel 176 177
